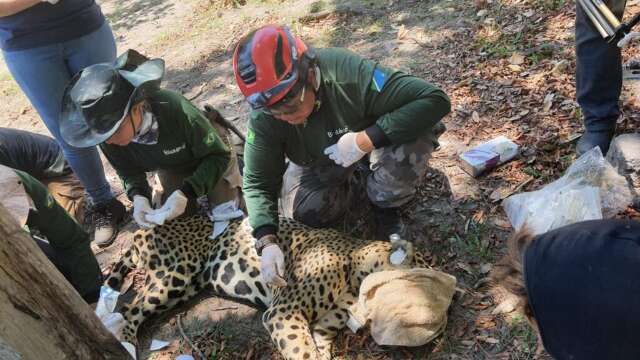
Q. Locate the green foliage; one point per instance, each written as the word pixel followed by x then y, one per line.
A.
pixel 550 5
pixel 317 6
pixel 531 171
pixel 519 339
pixel 501 47
pixel 474 244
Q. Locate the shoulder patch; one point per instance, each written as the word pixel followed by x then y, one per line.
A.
pixel 251 136
pixel 50 201
pixel 379 79
pixel 210 138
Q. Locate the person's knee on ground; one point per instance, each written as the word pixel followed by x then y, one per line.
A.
pixel 396 171
pixel 228 188
pixel 318 209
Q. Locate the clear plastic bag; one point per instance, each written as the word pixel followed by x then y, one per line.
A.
pixel 590 189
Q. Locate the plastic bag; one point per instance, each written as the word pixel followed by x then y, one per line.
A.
pixel 590 189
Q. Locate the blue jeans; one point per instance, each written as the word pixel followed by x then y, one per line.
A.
pixel 598 72
pixel 43 73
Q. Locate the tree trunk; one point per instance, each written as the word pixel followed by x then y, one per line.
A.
pixel 43 317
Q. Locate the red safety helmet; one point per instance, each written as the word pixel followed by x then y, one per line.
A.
pixel 266 64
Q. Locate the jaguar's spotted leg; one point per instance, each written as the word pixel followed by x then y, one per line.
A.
pixel 122 268
pixel 158 296
pixel 290 332
pixel 326 329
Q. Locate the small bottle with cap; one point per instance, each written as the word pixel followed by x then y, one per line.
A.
pixel 399 255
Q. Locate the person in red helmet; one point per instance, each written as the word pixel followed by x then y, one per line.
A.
pixel 328 110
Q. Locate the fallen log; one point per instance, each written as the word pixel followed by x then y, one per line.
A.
pixel 43 317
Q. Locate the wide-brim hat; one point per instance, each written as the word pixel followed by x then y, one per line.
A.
pixel 98 98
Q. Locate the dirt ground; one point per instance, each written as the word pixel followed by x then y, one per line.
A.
pixel 508 66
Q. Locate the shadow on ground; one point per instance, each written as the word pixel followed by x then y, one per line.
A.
pixel 128 14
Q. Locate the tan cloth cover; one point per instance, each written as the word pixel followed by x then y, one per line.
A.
pixel 405 307
pixel 13 196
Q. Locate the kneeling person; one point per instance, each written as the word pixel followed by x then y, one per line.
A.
pixel 67 245
pixel 41 157
pixel 325 110
pixel 141 128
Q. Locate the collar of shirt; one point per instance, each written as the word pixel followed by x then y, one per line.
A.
pixel 148 133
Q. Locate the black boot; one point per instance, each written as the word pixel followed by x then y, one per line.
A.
pixel 389 221
pixel 591 139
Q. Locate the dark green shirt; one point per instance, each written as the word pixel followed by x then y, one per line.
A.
pixel 49 217
pixel 186 143
pixel 70 242
pixel 355 94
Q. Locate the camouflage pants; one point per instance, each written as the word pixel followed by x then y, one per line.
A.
pixel 319 196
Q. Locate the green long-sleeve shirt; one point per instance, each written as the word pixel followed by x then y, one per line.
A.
pixel 186 142
pixel 355 94
pixel 66 237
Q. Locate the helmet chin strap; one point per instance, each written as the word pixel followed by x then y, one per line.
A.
pixel 316 69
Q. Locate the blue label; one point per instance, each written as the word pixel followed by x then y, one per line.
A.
pixel 379 78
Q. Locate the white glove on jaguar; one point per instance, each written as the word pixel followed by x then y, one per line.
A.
pixel 272 265
pixel 175 206
pixel 346 151
pixel 142 208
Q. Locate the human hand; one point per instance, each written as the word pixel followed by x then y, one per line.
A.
pixel 174 206
pixel 142 208
pixel 346 151
pixel 272 265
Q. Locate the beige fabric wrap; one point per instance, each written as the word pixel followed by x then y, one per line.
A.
pixel 405 307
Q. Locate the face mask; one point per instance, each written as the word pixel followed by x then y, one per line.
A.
pixel 148 133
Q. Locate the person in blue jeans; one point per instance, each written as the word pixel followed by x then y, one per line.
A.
pixel 44 43
pixel 598 81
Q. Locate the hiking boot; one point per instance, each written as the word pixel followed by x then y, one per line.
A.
pixel 106 218
pixel 389 221
pixel 591 139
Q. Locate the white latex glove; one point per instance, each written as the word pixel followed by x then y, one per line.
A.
pixel 175 206
pixel 142 208
pixel 272 265
pixel 346 151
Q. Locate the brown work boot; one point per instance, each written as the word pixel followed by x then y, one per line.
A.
pixel 106 218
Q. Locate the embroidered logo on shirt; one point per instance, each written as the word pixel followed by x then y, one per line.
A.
pixel 210 139
pixel 337 132
pixel 378 81
pixel 175 150
pixel 251 136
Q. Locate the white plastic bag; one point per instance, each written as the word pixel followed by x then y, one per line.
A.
pixel 590 189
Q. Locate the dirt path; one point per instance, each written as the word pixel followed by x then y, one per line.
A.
pixel 508 67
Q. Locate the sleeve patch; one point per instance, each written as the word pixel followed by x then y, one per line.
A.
pixel 210 138
pixel 379 79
